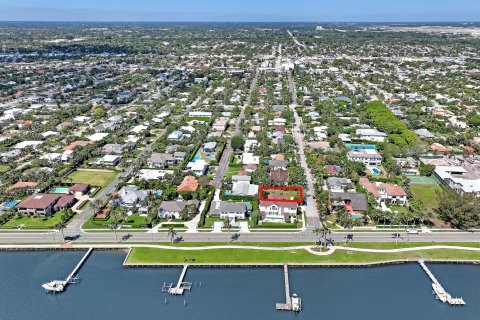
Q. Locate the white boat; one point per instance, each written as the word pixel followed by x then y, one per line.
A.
pixel 296 303
pixel 54 286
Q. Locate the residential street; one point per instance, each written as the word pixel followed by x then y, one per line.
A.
pixel 311 210
pixel 227 153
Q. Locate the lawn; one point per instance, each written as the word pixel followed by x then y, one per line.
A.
pixel 232 171
pixel 4 168
pixel 213 256
pixel 35 222
pixel 426 193
pixel 135 221
pixel 285 194
pixel 99 224
pixel 93 178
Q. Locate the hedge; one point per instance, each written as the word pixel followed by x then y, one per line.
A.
pixel 203 215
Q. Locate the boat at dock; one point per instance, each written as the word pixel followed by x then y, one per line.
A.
pixel 296 303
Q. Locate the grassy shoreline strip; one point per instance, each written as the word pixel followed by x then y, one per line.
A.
pixel 301 256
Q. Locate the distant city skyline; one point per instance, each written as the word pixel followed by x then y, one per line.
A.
pixel 242 11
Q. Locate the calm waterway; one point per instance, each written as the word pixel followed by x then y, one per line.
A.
pixel 107 290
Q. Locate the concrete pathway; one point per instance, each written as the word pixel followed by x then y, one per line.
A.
pixel 193 224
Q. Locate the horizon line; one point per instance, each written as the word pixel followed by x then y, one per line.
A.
pixel 233 21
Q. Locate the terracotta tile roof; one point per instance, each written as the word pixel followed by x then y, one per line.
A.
pixel 75 144
pixel 64 201
pixel 390 188
pixel 79 187
pixel 22 184
pixel 189 184
pixel 279 174
pixel 38 201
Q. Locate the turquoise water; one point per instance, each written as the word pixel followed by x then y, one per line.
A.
pixel 107 290
pixel 10 204
pixel 360 146
pixel 196 158
pixel 375 171
pixel 59 190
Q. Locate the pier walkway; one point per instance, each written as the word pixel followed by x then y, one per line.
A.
pixel 287 306
pixel 438 290
pixel 181 286
pixel 60 285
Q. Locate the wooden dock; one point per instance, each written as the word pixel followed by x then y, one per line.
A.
pixel 438 290
pixel 60 285
pixel 287 306
pixel 181 286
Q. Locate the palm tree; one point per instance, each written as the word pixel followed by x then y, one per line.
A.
pixel 171 233
pixel 228 225
pixel 317 231
pixel 96 204
pixel 114 225
pixel 61 226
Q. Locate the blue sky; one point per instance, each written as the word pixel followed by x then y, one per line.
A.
pixel 240 10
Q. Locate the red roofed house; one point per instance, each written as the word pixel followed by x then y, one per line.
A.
pixel 39 203
pixel 189 184
pixel 65 202
pixel 279 174
pixel 79 189
pixel 28 186
pixel 76 144
pixel 333 170
pixel 440 148
pixel 385 192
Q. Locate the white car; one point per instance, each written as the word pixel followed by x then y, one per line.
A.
pixel 411 231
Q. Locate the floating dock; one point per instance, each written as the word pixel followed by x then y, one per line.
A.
pixel 60 285
pixel 181 286
pixel 438 290
pixel 288 305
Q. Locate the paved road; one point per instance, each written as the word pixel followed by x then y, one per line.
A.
pixel 223 164
pixel 307 236
pixel 311 210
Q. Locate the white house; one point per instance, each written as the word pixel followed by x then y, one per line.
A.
pixel 277 211
pixel 198 167
pixel 200 114
pixel 110 160
pixel 371 135
pixel 249 158
pixel 175 136
pixel 369 157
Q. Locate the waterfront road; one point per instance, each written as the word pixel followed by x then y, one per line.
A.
pixel 306 236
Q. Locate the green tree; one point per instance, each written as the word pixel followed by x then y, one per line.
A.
pixel 237 142
pixel 461 211
pixel 426 169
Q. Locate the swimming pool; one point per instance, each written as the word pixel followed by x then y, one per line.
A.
pixel 196 158
pixel 360 146
pixel 375 171
pixel 10 204
pixel 60 190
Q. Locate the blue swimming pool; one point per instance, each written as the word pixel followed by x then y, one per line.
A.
pixel 360 146
pixel 376 171
pixel 196 158
pixel 10 204
pixel 60 190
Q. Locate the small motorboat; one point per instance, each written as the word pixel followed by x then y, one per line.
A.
pixel 296 303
